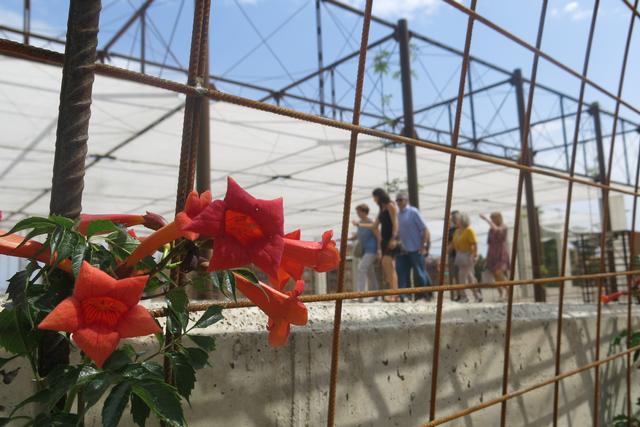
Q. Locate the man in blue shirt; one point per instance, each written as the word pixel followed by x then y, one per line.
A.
pixel 415 239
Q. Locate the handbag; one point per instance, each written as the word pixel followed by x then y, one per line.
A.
pixel 358 250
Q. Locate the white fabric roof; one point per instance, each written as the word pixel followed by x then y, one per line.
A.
pixel 252 146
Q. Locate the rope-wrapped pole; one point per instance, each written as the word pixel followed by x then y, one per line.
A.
pixel 71 139
pixel 75 107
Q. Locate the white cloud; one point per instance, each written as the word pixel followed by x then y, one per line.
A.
pixel 400 8
pixel 575 11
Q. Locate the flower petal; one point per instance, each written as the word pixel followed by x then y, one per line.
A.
pixel 267 213
pixel 209 222
pixel 227 253
pixel 92 282
pixel 65 317
pixel 278 333
pixel 98 344
pixel 137 322
pixel 129 290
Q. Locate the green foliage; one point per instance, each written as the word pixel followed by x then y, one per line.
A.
pixel 127 377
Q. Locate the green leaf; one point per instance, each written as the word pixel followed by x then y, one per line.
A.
pixel 94 389
pixel 212 315
pixel 100 226
pixel 247 274
pixel 117 360
pixel 139 410
pixel 162 399
pixel 77 255
pixel 115 404
pixel 58 383
pixel 178 304
pixel 11 337
pixel 204 342
pixel 184 373
pixel 145 370
pixel 58 419
pixel 16 290
pixel 198 358
pixel 618 338
pixel 35 223
pixel 62 221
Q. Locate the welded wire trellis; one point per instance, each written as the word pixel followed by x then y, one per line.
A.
pixel 196 93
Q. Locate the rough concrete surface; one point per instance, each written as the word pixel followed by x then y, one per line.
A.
pixel 385 367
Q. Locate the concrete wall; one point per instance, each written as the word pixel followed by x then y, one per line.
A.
pixel 385 367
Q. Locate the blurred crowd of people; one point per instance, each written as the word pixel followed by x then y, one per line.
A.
pixel 399 239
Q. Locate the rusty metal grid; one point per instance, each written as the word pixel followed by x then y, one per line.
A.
pixel 196 92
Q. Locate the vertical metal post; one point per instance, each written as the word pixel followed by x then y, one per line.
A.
pixel 626 154
pixel 532 214
pixel 332 75
pixel 320 59
pixel 564 133
pixel 594 110
pixel 407 106
pixel 75 107
pixel 71 139
pixel 473 110
pixel 143 33
pixel 203 161
pixel 26 20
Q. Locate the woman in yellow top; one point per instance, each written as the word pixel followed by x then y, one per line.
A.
pixel 465 243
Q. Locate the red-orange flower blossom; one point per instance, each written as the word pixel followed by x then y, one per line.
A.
pixel 321 256
pixel 245 230
pixel 614 296
pixel 101 311
pixel 283 309
pixel 10 245
pixel 174 230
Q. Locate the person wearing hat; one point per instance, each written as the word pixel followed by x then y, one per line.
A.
pixel 415 240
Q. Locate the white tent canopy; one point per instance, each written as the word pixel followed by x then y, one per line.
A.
pixel 270 155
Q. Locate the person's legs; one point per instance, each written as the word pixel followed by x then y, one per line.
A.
pixel 464 264
pixel 453 277
pixel 403 268
pixel 389 273
pixel 372 277
pixel 499 276
pixel 366 262
pixel 421 275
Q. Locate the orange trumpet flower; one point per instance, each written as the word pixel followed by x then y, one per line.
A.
pixel 101 311
pixel 10 245
pixel 321 256
pixel 194 205
pixel 245 230
pixel 283 309
pixel 612 297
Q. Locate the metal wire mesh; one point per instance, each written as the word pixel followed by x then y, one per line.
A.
pixel 522 165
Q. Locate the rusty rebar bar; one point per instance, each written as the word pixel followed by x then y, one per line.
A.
pixel 447 213
pixel 346 211
pixel 567 218
pixel 522 176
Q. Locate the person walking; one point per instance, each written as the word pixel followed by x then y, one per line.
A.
pixel 452 269
pixel 498 261
pixel 414 239
pixel 387 221
pixel 369 241
pixel 465 244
